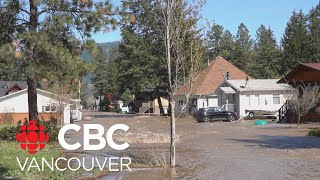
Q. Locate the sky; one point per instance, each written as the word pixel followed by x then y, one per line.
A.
pixel 230 13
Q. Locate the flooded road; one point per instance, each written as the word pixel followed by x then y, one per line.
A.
pixel 219 150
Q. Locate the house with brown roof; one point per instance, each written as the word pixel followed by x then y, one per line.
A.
pixel 208 80
pixel 307 73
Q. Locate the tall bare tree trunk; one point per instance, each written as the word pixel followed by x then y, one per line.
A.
pixel 173 135
pixel 32 99
pixel 168 55
pixel 31 81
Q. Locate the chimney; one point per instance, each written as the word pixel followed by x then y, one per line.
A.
pixel 208 62
pixel 228 76
pixel 247 79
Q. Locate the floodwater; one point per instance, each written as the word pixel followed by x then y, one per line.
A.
pixel 219 150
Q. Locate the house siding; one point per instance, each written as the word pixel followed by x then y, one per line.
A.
pixel 264 101
pixel 17 105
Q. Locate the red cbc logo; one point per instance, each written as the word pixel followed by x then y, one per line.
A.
pixel 32 137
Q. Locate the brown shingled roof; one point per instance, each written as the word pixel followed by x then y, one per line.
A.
pixel 211 77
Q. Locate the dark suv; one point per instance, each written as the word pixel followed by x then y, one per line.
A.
pixel 214 113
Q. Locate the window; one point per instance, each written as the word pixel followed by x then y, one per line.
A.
pixel 276 99
pixel 47 108
pixel 53 108
pixel 258 98
pixel 50 108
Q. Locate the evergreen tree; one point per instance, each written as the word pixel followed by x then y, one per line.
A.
pixel 214 41
pixel 141 61
pixel 105 73
pixel 314 36
pixel 243 49
pixel 294 43
pixel 45 32
pixel 267 54
pixel 227 45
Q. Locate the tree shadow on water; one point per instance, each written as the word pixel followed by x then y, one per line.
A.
pixel 282 142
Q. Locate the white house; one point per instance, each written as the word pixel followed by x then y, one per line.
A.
pixel 14 101
pixel 252 94
pixel 208 80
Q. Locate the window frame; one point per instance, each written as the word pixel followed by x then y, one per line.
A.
pixel 276 97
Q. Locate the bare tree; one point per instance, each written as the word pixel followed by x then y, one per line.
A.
pixel 303 98
pixel 183 42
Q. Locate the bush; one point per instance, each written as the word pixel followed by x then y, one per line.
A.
pixel 52 129
pixel 315 132
pixel 9 133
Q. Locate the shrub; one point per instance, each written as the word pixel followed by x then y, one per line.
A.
pixel 52 129
pixel 315 132
pixel 9 133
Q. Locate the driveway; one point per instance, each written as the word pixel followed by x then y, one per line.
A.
pixel 220 150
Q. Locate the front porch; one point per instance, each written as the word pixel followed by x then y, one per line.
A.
pixel 227 98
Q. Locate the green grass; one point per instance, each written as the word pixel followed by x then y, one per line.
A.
pixel 9 166
pixel 315 132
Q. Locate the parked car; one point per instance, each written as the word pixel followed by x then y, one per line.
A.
pixel 214 113
pixel 262 113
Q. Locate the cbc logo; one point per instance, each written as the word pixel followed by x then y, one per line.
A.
pixel 32 137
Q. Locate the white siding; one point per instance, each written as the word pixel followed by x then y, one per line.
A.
pixel 207 101
pixel 259 101
pixel 66 115
pixel 18 103
pixel 213 101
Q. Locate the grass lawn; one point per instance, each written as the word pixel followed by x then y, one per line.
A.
pixel 9 166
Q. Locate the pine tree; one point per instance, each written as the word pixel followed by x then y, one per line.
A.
pixel 46 31
pixel 105 73
pixel 243 49
pixel 314 36
pixel 267 54
pixel 214 41
pixel 141 61
pixel 294 43
pixel 227 45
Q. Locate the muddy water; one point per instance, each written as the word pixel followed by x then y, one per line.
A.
pixel 222 150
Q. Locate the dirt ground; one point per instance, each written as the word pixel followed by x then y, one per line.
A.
pixel 217 150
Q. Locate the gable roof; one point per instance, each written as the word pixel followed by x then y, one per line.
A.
pixel 258 85
pixel 315 66
pixel 6 86
pixel 211 77
pixel 307 72
pixel 39 91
